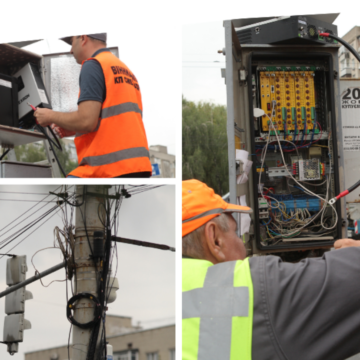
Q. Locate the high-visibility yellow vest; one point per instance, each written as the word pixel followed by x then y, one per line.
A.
pixel 217 305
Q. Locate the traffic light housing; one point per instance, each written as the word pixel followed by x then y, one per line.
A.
pixel 15 323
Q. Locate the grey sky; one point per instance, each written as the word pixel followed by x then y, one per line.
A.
pixel 146 276
pixel 201 63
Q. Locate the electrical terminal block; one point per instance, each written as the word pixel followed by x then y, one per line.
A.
pixel 263 209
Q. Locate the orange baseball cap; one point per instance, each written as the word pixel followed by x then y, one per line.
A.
pixel 200 204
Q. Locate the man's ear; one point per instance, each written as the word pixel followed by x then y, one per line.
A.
pixel 214 241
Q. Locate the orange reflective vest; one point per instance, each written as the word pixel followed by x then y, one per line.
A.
pixel 118 145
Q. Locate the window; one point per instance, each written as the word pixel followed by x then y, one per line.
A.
pixel 122 357
pixel 152 356
pixel 172 354
pixel 126 355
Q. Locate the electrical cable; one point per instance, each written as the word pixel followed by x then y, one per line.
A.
pixel 340 40
pixel 32 232
pixel 27 212
pixel 4 154
pixel 355 53
pixel 97 310
pixel 66 198
pixel 52 143
pixel 37 272
pixel 304 189
pixel 27 227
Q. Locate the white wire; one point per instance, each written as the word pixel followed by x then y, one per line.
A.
pixel 326 202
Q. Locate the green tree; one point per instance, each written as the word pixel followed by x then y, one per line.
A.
pixel 30 153
pixel 64 158
pixel 35 152
pixel 204 144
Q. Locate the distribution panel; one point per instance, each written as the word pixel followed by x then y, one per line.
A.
pixel 293 151
pixel 285 111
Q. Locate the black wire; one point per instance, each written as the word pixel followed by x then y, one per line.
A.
pixel 33 231
pixel 28 211
pixel 57 144
pixel 68 347
pixel 27 227
pixel 66 199
pixel 97 310
pixel 347 45
pixel 84 221
pixel 57 160
pixel 54 201
pixel 4 154
pixel 26 193
pixel 51 143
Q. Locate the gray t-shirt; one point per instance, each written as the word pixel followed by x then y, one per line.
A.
pixel 92 80
pixel 309 310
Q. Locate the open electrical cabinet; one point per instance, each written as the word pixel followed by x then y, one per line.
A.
pixel 295 146
pixel 59 75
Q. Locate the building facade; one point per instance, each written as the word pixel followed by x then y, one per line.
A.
pixel 164 162
pixel 348 65
pixel 129 342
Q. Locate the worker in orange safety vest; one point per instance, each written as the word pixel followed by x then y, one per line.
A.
pixel 110 137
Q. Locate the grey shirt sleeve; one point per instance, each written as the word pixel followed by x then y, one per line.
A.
pixel 92 82
pixel 308 310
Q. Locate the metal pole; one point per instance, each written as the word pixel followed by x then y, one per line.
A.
pixel 87 277
pixel 142 243
pixel 32 279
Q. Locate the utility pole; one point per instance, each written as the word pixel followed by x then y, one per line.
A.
pixel 88 269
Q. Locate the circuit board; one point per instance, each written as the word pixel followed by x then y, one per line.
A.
pixel 293 89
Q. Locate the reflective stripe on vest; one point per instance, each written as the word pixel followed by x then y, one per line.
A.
pixel 217 306
pixel 113 111
pixel 115 156
pixel 120 109
pixel 118 145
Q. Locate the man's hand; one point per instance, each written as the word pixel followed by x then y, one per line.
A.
pixel 62 132
pixel 44 116
pixel 344 243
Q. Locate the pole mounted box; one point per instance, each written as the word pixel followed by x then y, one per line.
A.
pixel 15 302
pixel 16 269
pixel 15 323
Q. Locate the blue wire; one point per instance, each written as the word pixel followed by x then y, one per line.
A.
pixel 266 223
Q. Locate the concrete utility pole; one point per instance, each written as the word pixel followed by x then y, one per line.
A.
pixel 87 278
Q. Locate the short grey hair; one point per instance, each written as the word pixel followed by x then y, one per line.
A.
pixel 192 243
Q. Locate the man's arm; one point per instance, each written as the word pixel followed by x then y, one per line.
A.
pixel 344 243
pixel 85 119
pixel 307 310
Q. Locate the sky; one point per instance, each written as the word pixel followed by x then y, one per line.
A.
pixel 201 62
pixel 146 276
